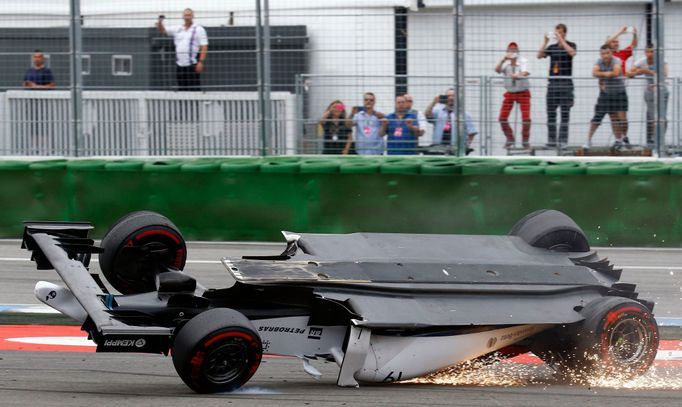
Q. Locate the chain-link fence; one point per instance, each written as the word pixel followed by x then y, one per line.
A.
pixel 83 77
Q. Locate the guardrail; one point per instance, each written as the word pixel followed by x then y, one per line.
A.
pixel 144 123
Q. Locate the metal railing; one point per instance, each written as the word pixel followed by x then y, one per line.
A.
pixel 144 123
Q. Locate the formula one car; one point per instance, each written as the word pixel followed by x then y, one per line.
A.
pixel 384 307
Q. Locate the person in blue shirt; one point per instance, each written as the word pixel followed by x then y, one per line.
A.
pixel 444 120
pixel 38 76
pixel 367 122
pixel 402 130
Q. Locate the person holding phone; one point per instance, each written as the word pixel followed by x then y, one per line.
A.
pixel 560 88
pixel 191 49
pixel 338 138
pixel 515 71
pixel 402 130
pixel 441 113
pixel 367 124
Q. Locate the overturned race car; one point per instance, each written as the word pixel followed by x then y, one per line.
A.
pixel 384 307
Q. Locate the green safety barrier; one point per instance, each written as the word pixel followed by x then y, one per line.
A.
pixel 254 198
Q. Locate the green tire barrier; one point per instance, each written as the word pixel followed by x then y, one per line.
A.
pixel 359 167
pixel 13 165
pixel 606 168
pixel 649 168
pixel 524 161
pixel 676 169
pixel 162 166
pixel 245 198
pixel 124 165
pixel 241 165
pixel 400 166
pixel 200 166
pixel 523 169
pixel 326 166
pixel 280 166
pixel 443 167
pixel 571 168
pixel 489 167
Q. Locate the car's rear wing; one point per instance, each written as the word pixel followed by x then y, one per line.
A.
pixel 65 247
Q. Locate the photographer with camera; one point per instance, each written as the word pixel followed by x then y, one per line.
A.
pixel 515 71
pixel 441 113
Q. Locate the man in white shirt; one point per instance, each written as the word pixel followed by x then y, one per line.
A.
pixel 191 47
pixel 441 113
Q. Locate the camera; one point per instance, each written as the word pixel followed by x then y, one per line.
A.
pixel 443 99
pixel 360 108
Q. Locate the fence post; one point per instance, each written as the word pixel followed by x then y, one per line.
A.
pixel 263 68
pixel 458 11
pixel 75 51
pixel 659 81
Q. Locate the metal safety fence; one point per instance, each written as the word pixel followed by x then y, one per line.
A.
pixel 265 77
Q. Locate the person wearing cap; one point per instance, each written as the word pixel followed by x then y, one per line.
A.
pixel 337 137
pixel 622 55
pixel 560 86
pixel 515 71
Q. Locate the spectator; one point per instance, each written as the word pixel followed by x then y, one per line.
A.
pixel 337 136
pixel 612 98
pixel 409 101
pixel 402 130
pixel 191 47
pixel 622 55
pixel 515 71
pixel 647 67
pixel 366 122
pixel 560 87
pixel 38 76
pixel 444 121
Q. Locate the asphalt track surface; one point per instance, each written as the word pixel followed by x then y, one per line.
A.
pixel 30 378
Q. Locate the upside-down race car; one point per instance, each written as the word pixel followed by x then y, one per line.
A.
pixel 384 307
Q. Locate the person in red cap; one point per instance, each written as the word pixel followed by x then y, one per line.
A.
pixel 515 71
pixel 337 137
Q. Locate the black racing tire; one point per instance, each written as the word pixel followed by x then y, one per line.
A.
pixel 217 351
pixel 552 230
pixel 139 246
pixel 619 337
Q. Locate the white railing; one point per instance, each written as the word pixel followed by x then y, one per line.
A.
pixel 144 123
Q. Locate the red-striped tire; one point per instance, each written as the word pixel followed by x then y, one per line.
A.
pixel 138 247
pixel 618 337
pixel 217 351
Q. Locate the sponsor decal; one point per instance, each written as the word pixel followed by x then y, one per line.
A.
pixel 126 343
pixel 282 329
pixel 491 342
pixel 266 345
pixel 315 333
pixel 51 296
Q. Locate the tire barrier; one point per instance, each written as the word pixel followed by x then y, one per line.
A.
pixel 253 198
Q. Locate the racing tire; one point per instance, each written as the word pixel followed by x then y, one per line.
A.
pixel 138 247
pixel 217 351
pixel 552 230
pixel 619 337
